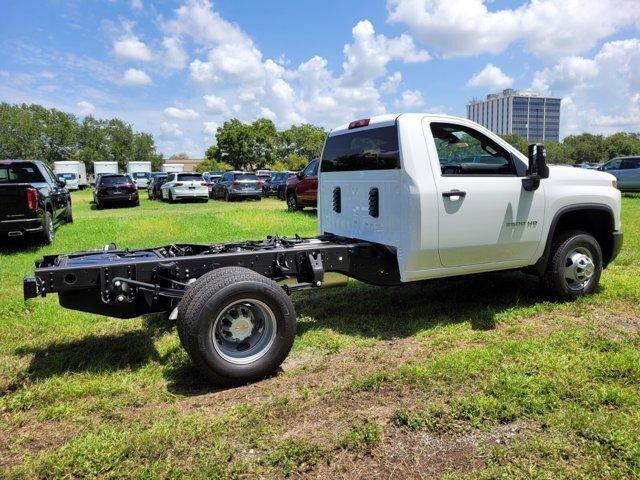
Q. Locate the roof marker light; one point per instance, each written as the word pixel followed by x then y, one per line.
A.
pixel 364 122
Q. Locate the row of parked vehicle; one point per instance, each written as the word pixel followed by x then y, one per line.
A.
pixel 299 189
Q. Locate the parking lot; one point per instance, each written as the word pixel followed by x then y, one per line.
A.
pixel 481 375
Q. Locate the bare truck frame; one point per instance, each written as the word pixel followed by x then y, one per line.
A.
pixel 256 309
pixel 130 283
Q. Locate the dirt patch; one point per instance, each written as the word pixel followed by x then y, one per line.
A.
pixel 421 454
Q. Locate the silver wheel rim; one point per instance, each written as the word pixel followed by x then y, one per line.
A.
pixel 244 331
pixel 292 202
pixel 579 268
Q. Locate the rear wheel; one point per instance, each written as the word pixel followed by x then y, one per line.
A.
pixel 236 325
pixel 575 265
pixel 49 233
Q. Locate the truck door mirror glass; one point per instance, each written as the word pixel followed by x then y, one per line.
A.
pixel 62 183
pixel 300 175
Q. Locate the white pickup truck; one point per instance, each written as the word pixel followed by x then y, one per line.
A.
pixel 403 198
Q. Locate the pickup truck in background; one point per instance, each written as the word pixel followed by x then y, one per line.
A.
pixel 402 198
pixel 33 201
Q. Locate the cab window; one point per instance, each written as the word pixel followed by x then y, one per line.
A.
pixel 464 151
pixel 613 164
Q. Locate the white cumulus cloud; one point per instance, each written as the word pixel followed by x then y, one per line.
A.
pixel 171 130
pixel 410 99
pixel 209 128
pixel 491 77
pixel 548 28
pixel 133 76
pixel 175 57
pixel 130 47
pixel 215 105
pixel 85 108
pixel 181 113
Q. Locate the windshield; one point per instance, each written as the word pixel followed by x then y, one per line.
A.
pixel 141 175
pixel 67 176
pixel 372 149
pixel 22 172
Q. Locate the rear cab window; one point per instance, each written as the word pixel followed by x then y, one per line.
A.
pixel 20 172
pixel 356 150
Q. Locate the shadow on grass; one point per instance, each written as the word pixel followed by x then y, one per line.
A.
pixel 95 353
pixel 26 243
pixel 392 312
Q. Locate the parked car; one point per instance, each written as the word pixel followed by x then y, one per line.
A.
pixel 155 182
pixel 33 201
pixel 262 179
pixel 588 165
pixel 115 189
pixel 70 180
pixel 234 185
pixel 276 185
pixel 626 170
pixel 183 185
pixel 211 179
pixel 302 189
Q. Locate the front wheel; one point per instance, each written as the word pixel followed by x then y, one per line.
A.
pixel 575 265
pixel 236 325
pixel 69 216
pixel 227 197
pixel 292 202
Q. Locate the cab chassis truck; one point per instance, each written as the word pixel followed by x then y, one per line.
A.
pixel 402 198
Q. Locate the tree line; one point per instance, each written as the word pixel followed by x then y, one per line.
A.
pixel 248 146
pixel 585 147
pixel 36 132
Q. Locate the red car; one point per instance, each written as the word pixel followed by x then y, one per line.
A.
pixel 302 188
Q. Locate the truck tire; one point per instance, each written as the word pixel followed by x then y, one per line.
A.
pixel 69 217
pixel 575 265
pixel 48 234
pixel 236 325
pixel 292 202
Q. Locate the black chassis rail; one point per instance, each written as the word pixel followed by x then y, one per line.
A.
pixel 128 284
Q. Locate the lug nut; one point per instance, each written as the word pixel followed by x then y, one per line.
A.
pixel 120 298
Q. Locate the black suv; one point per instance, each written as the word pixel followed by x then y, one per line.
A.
pixel 115 189
pixel 277 184
pixel 155 183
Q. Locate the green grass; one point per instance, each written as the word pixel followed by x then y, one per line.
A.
pixel 373 375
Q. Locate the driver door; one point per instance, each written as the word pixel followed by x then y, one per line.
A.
pixel 485 215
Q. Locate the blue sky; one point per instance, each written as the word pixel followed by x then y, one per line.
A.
pixel 180 68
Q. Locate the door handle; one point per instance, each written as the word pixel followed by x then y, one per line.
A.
pixel 454 194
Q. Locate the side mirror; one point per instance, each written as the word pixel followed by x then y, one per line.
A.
pixel 62 183
pixel 538 168
pixel 601 168
pixel 299 175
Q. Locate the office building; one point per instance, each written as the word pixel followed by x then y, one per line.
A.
pixel 533 116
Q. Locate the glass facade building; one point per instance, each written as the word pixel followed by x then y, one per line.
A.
pixel 534 117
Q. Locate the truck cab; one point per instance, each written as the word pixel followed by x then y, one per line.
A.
pixel 449 197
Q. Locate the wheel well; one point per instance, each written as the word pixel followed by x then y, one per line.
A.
pixel 49 208
pixel 595 221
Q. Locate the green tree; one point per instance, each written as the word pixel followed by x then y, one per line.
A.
pixel 304 140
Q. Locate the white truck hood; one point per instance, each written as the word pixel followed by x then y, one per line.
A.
pixel 582 175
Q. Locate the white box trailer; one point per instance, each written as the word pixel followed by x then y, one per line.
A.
pixel 100 168
pixel 173 167
pixel 140 172
pixel 72 172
